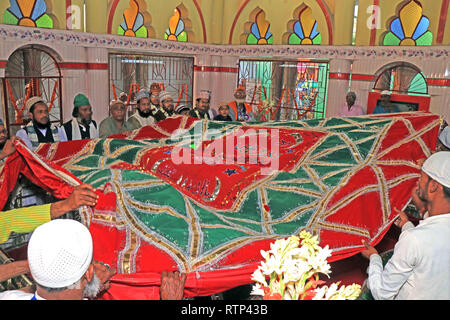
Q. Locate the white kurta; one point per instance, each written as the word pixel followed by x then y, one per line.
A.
pixel 419 268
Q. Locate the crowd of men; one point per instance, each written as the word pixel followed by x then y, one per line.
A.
pixel 65 269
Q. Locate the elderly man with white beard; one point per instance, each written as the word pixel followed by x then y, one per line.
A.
pixel 60 259
pixel 61 264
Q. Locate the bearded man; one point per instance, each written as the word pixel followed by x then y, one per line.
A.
pixel 418 268
pixel 39 129
pixel 201 109
pixel 239 109
pixel 81 126
pixel 143 115
pixel 167 109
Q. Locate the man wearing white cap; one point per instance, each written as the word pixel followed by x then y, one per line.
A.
pixel 143 115
pixel 116 123
pixel 60 261
pixel 385 105
pixel 420 264
pixel 444 140
pixel 60 258
pixel 39 129
pixel 166 109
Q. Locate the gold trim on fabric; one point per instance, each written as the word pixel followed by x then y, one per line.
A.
pixel 265 215
pixel 127 255
pixel 295 190
pixel 195 234
pixel 178 256
pixel 344 228
pixel 383 192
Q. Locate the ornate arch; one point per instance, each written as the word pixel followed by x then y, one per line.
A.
pixel 136 21
pixel 257 29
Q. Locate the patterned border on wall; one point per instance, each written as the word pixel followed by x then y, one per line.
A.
pixel 49 37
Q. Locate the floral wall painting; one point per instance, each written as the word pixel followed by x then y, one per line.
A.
pixel 409 28
pixel 28 13
pixel 303 29
pixel 257 30
pixel 135 21
pixel 179 26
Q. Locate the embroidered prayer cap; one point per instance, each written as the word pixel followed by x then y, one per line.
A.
pixel 182 107
pixel 437 166
pixel 444 136
pixel 385 93
pixel 155 88
pixel 32 101
pixel 142 94
pixel 204 94
pixel 164 95
pixel 59 253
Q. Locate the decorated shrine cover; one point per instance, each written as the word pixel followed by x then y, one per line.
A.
pixel 204 197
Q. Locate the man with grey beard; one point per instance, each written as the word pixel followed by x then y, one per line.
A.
pixel 61 264
pixel 60 259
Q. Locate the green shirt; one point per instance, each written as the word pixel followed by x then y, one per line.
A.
pixel 109 127
pixel 23 220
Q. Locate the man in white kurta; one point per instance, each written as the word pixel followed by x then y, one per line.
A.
pixel 419 267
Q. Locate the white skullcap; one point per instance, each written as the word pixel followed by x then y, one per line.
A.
pixel 437 166
pixel 385 93
pixel 444 137
pixel 163 95
pixel 59 253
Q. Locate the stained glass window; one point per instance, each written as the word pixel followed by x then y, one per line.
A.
pixel 28 13
pixel 410 28
pixel 133 22
pixel 305 29
pixel 259 31
pixel 402 78
pixel 176 30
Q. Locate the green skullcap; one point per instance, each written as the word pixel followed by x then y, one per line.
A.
pixel 80 100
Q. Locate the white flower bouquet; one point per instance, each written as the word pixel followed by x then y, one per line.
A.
pixel 292 267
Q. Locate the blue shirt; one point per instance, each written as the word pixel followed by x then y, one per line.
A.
pixel 380 109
